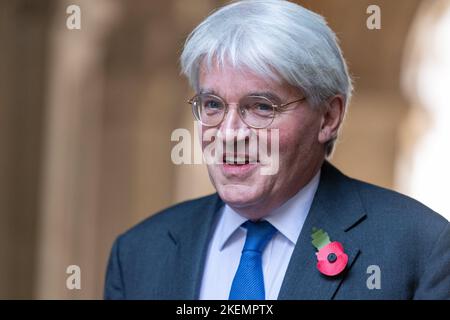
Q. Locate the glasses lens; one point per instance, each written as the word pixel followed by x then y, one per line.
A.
pixel 257 112
pixel 209 109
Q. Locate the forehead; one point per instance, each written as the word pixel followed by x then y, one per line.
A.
pixel 232 82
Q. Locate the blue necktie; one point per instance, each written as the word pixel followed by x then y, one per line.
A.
pixel 248 282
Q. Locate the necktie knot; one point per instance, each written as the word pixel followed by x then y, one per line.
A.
pixel 258 235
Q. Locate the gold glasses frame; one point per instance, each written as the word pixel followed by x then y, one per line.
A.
pixel 275 108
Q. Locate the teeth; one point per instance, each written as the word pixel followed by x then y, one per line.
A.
pixel 235 160
pixel 238 160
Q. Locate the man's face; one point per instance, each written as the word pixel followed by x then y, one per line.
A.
pixel 243 187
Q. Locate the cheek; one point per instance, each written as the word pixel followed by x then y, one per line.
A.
pixel 297 136
pixel 291 137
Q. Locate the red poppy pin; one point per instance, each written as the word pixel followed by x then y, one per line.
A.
pixel 331 258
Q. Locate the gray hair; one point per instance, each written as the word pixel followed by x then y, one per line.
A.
pixel 273 38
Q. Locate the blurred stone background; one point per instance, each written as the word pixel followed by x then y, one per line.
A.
pixel 86 118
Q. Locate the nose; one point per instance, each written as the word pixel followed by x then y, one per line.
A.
pixel 233 129
pixel 232 119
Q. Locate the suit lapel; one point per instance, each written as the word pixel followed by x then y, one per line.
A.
pixel 336 208
pixel 184 266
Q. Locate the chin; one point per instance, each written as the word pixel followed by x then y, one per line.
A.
pixel 237 195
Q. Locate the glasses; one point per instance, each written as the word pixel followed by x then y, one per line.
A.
pixel 255 111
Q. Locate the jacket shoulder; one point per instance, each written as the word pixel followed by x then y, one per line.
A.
pixel 381 201
pixel 159 222
pixel 400 223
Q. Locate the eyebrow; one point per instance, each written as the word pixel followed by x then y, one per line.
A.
pixel 208 91
pixel 267 94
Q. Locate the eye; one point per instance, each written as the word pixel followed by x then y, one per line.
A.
pixel 262 109
pixel 212 104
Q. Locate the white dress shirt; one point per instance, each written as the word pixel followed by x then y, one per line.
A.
pixel 225 248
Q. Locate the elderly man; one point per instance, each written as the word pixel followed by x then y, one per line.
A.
pixel 305 231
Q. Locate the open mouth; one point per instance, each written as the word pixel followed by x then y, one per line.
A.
pixel 239 160
pixel 238 166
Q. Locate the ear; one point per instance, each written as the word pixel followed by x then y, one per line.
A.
pixel 332 118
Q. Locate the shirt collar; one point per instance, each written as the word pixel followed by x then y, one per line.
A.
pixel 231 221
pixel 288 219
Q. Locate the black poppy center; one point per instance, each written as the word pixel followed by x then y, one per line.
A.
pixel 332 258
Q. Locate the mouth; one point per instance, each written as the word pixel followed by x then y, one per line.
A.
pixel 239 160
pixel 238 166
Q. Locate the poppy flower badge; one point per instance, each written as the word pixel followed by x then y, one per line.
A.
pixel 331 258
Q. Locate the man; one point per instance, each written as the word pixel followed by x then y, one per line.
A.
pixel 305 231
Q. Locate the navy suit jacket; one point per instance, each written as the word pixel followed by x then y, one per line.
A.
pixel 163 257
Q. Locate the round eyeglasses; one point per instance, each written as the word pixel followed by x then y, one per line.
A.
pixel 255 111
